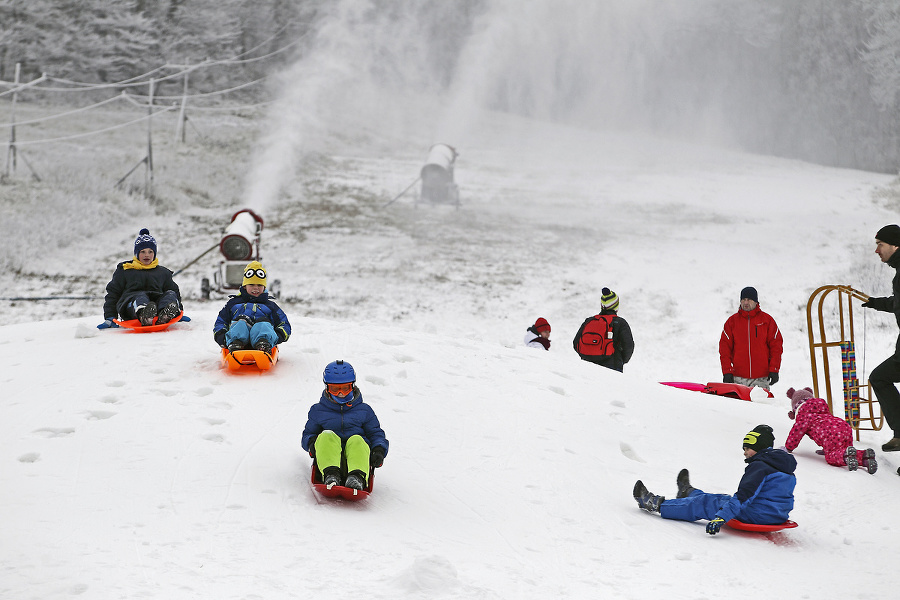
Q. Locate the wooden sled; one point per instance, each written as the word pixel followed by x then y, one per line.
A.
pixel 339 491
pixel 735 524
pixel 134 325
pixel 256 360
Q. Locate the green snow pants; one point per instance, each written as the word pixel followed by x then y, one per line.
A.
pixel 328 453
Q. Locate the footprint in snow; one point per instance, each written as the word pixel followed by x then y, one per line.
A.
pixel 109 400
pixel 52 432
pixel 214 437
pixel 30 457
pixel 204 391
pixel 99 415
pixel 629 452
pixel 115 383
pixel 375 380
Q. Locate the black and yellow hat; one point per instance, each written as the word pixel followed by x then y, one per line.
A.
pixel 759 438
pixel 254 274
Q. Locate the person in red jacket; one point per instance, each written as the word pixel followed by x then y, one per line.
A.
pixel 751 345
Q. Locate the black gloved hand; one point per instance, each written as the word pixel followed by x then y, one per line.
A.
pixel 312 446
pixel 728 378
pixel 377 456
pixel 773 378
pixel 713 527
pixel 219 336
pixel 865 304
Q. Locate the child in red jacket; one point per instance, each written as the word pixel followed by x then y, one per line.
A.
pixel 834 435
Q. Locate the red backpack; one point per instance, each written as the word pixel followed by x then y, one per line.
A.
pixel 597 337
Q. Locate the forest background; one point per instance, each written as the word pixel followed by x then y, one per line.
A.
pixel 816 80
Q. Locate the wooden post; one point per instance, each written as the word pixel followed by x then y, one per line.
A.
pixel 148 183
pixel 11 152
pixel 182 117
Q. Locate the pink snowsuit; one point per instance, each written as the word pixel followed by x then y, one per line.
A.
pixel 834 435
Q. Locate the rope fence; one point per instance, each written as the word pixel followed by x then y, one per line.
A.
pixel 147 102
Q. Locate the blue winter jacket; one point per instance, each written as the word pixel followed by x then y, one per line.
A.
pixel 765 494
pixel 253 309
pixel 352 417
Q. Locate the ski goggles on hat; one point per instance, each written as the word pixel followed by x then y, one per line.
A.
pixel 257 272
pixel 339 389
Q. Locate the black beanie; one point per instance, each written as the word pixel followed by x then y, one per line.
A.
pixel 749 292
pixel 889 234
pixel 759 438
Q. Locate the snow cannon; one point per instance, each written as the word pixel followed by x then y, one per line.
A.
pixel 438 186
pixel 239 245
pixel 241 235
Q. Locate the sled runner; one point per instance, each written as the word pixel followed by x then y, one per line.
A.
pixel 248 359
pixel 730 390
pixel 135 326
pixel 735 524
pixel 339 491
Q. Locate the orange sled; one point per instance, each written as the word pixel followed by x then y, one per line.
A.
pixel 134 325
pixel 249 359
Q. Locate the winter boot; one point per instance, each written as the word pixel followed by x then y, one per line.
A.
pixel 235 345
pixel 646 500
pixel 892 446
pixel 169 312
pixel 850 458
pixel 356 480
pixel 868 461
pixel 684 484
pixel 145 315
pixel 332 477
pixel 264 346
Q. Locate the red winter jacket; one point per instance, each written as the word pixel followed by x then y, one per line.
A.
pixel 751 345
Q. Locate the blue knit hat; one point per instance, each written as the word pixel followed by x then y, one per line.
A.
pixel 144 240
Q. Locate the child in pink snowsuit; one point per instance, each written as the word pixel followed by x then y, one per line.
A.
pixel 834 435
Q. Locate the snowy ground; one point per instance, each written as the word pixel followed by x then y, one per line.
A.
pixel 135 467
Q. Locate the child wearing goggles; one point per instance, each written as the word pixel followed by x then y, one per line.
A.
pixel 342 433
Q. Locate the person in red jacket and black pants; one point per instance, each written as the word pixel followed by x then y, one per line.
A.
pixel 751 345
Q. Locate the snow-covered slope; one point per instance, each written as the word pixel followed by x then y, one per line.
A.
pixel 134 466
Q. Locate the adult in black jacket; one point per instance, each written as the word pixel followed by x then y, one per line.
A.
pixel 592 349
pixel 140 288
pixel 885 375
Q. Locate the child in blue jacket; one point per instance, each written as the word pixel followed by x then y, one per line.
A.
pixel 250 319
pixel 342 433
pixel 764 496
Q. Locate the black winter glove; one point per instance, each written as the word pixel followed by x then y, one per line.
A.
pixel 312 446
pixel 866 304
pixel 377 456
pixel 728 378
pixel 219 336
pixel 773 378
pixel 713 527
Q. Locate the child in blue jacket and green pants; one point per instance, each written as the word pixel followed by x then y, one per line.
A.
pixel 764 496
pixel 342 433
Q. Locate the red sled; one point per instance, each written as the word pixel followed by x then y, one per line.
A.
pixel 339 491
pixel 134 325
pixel 255 360
pixel 735 524
pixel 729 390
